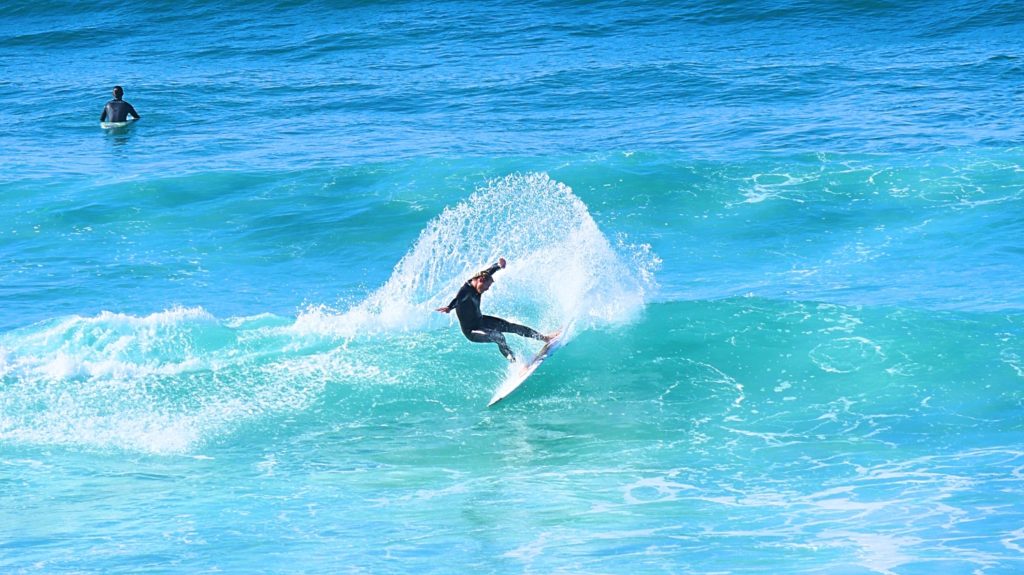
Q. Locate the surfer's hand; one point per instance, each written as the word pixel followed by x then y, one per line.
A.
pixel 501 262
pixel 444 309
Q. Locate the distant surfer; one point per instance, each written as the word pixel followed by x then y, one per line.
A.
pixel 117 110
pixel 481 328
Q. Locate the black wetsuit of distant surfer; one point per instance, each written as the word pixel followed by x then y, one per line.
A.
pixel 117 110
pixel 480 328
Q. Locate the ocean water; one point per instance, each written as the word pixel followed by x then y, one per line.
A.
pixel 788 237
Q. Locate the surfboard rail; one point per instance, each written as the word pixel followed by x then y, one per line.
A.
pixel 514 380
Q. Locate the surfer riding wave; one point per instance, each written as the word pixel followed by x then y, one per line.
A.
pixel 480 328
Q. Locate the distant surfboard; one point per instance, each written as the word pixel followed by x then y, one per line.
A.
pixel 116 125
pixel 517 378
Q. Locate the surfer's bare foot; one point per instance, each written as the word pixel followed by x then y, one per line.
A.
pixel 548 338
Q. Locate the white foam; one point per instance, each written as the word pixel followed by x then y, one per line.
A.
pixel 561 268
pixel 161 383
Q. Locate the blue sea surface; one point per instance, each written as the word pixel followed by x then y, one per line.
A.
pixel 787 236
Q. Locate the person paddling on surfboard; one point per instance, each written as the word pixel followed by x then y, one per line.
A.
pixel 117 110
pixel 480 328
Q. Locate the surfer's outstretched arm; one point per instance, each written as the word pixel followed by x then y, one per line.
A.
pixel 470 289
pixel 491 270
pixel 464 292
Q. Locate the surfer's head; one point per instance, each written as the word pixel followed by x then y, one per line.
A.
pixel 481 281
pixel 118 91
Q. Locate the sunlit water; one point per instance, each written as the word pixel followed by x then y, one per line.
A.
pixel 787 237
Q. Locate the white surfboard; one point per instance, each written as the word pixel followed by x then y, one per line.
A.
pixel 515 379
pixel 116 125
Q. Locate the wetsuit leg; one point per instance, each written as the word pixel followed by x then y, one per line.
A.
pixel 490 322
pixel 491 335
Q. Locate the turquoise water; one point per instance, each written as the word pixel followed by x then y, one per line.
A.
pixel 787 235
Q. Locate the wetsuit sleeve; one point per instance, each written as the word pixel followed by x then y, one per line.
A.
pixel 132 112
pixel 460 296
pixel 466 287
pixel 103 116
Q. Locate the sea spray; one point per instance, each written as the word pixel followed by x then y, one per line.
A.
pixel 173 380
pixel 561 270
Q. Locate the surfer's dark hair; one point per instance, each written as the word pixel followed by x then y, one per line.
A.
pixel 118 90
pixel 482 274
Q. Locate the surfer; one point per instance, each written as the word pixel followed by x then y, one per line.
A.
pixel 117 110
pixel 481 328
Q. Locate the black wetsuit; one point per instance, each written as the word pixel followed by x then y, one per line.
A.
pixel 481 328
pixel 117 110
